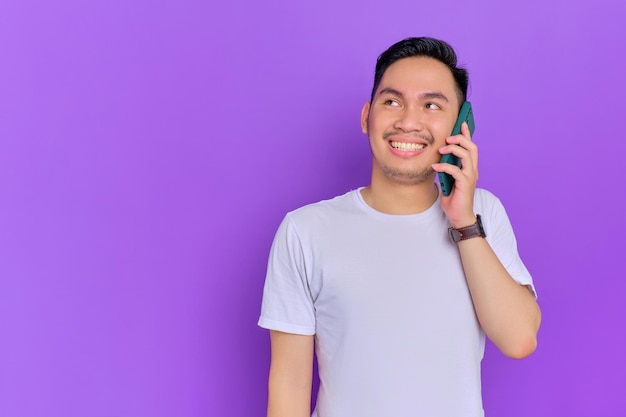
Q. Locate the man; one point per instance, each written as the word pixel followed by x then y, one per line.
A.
pixel 396 310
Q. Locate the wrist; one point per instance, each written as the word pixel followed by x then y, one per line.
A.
pixel 463 221
pixel 467 232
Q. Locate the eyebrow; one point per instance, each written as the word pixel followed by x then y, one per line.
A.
pixel 433 95
pixel 424 96
pixel 390 91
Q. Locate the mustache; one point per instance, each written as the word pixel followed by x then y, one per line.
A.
pixel 390 135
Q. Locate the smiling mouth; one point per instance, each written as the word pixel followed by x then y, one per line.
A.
pixel 407 146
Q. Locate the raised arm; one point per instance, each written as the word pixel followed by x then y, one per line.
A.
pixel 291 374
pixel 507 311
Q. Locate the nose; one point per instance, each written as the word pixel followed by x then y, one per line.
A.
pixel 410 119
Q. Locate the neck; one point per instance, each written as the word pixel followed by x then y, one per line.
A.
pixel 397 198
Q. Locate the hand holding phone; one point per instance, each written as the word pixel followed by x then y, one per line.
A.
pixel 465 115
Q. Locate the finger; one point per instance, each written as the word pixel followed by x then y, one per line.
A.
pixel 451 169
pixel 465 130
pixel 470 145
pixel 461 181
pixel 469 166
pixel 463 154
pixel 464 143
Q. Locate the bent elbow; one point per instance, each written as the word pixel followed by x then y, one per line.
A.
pixel 522 349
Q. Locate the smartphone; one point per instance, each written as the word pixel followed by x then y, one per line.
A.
pixel 465 115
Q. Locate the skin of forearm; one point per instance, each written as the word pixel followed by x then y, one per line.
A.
pixel 507 311
pixel 290 377
pixel 288 400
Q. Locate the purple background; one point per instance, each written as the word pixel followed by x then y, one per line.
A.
pixel 149 150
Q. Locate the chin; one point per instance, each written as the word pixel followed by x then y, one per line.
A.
pixel 409 177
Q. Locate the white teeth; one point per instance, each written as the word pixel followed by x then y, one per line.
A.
pixel 405 146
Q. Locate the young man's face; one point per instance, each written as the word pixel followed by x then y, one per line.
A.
pixel 413 112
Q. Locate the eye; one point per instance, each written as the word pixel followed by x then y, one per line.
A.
pixel 391 102
pixel 432 106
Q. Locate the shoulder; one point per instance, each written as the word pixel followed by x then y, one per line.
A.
pixel 491 209
pixel 485 200
pixel 333 207
pixel 323 218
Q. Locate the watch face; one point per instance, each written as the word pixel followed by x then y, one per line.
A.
pixel 479 223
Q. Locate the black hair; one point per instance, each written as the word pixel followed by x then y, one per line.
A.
pixel 429 47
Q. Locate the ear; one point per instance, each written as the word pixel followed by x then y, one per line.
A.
pixel 365 112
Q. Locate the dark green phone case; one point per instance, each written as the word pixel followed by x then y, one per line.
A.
pixel 465 115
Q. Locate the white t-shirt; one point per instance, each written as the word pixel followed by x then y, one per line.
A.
pixel 386 298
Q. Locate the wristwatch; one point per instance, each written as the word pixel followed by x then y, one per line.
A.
pixel 467 232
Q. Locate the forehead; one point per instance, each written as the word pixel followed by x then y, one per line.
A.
pixel 415 75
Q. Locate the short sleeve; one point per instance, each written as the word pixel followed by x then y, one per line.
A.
pixel 501 237
pixel 287 302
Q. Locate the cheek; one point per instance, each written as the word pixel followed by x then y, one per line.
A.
pixel 376 125
pixel 442 129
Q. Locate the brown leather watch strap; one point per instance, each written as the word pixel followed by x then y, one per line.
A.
pixel 467 232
